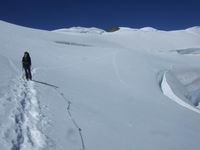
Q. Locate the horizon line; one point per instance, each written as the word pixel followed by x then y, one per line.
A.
pixel 69 27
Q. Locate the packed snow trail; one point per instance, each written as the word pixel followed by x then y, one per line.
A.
pixel 26 127
pixel 27 117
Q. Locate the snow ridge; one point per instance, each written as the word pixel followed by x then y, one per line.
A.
pixel 91 30
pixel 168 91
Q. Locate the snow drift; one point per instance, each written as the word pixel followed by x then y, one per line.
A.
pixel 172 88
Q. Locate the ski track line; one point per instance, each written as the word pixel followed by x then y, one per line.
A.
pixel 69 103
pixel 71 117
pixel 116 70
pixel 26 118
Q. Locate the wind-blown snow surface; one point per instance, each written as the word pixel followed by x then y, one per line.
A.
pixel 104 91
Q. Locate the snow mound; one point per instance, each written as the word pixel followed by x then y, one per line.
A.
pixel 145 29
pixel 190 78
pixel 130 30
pixel 172 88
pixel 195 29
pixel 126 29
pixel 148 29
pixel 92 30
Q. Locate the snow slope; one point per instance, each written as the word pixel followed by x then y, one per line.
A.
pixel 108 91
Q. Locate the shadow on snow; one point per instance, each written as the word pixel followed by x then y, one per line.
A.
pixel 44 83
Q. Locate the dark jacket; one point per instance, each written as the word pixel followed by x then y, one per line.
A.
pixel 26 61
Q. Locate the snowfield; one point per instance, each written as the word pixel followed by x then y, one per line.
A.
pixel 133 89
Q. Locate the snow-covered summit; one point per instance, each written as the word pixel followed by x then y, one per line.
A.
pixel 195 29
pixel 148 29
pixel 81 30
pixel 94 30
pixel 127 29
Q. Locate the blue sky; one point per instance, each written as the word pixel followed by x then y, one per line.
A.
pixel 54 14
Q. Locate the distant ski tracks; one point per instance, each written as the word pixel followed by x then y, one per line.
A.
pixel 72 118
pixel 116 69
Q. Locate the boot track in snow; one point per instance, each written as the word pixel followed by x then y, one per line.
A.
pixel 27 133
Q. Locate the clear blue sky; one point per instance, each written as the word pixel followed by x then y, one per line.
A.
pixel 54 14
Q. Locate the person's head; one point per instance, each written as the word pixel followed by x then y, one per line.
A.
pixel 26 54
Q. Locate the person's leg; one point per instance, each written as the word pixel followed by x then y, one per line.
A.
pixel 26 73
pixel 29 73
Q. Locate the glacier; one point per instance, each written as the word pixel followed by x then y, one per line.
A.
pixel 133 89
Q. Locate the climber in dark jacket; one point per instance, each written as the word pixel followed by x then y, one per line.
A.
pixel 26 63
